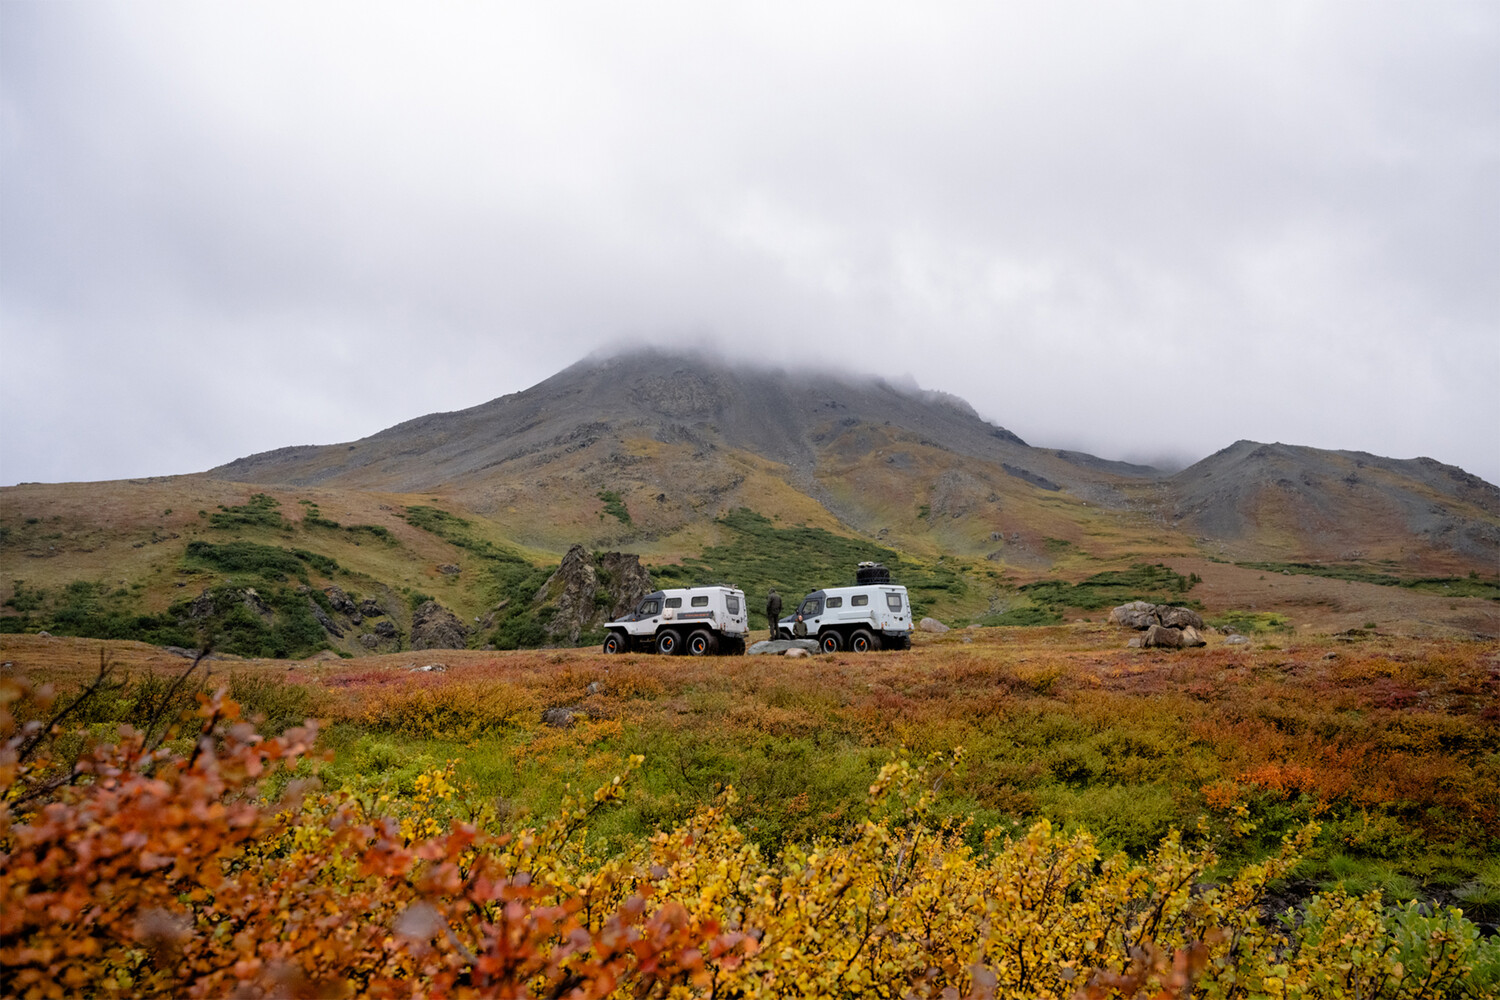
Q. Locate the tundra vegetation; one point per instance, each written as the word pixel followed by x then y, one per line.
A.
pixel 1031 812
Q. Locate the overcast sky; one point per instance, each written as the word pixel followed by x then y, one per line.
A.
pixel 1144 230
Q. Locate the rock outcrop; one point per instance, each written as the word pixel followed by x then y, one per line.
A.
pixel 932 625
pixel 435 627
pixel 585 592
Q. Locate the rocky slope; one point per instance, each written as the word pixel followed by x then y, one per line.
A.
pixel 680 438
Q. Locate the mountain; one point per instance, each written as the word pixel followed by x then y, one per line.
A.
pixel 712 471
pixel 682 438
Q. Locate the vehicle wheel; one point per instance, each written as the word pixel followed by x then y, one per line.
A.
pixel 861 641
pixel 616 643
pixel 668 643
pixel 830 642
pixel 702 643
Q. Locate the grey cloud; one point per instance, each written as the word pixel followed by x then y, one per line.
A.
pixel 349 215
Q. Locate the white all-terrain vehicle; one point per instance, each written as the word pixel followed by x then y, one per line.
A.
pixel 699 620
pixel 874 614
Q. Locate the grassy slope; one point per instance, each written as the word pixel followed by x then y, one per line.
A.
pixel 966 535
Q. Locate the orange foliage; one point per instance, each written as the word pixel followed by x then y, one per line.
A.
pixel 150 873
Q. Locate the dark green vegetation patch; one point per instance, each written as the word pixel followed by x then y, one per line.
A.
pixel 758 555
pixel 265 561
pixel 1472 585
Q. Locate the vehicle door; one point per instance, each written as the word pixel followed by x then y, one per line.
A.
pixel 809 615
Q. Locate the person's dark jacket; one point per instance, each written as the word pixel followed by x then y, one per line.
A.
pixel 773 608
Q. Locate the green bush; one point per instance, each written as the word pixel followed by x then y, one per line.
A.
pixel 261 511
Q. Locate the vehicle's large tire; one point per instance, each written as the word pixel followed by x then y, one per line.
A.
pixel 616 642
pixel 830 641
pixel 702 643
pixel 668 643
pixel 861 641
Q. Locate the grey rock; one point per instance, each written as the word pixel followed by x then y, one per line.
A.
pixel 435 627
pixel 586 592
pixel 1192 637
pixel 777 647
pixel 254 602
pixel 595 687
pixel 386 629
pixel 371 608
pixel 1174 617
pixel 342 603
pixel 448 569
pixel 1161 637
pixel 562 718
pixel 1136 615
pixel 324 620
pixel 932 625
pixel 1143 615
pixel 430 668
pixel 369 641
pixel 1236 640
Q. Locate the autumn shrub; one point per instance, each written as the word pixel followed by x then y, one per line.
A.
pixel 458 710
pixel 147 872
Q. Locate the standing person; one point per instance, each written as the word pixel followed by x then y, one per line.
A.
pixel 773 610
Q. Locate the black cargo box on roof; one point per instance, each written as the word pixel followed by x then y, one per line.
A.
pixel 871 572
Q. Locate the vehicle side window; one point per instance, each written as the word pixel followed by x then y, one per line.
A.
pixel 835 602
pixel 732 605
pixel 860 600
pixel 649 608
pixel 893 601
pixel 674 602
pixel 700 602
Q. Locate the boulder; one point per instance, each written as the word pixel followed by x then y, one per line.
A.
pixel 932 625
pixel 1143 615
pixel 778 647
pixel 562 718
pixel 1161 637
pixel 1192 637
pixel 1173 617
pixel 1136 614
pixel 386 630
pixel 371 608
pixel 435 627
pixel 448 569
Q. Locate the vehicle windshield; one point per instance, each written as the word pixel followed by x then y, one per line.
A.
pixel 810 607
pixel 648 607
